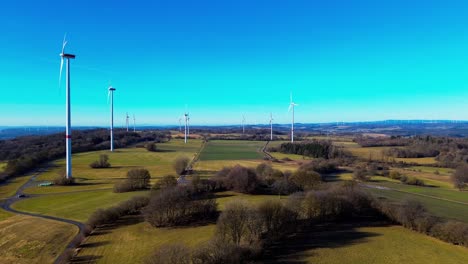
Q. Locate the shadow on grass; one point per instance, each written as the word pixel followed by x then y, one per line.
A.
pixel 85 259
pixel 95 244
pixel 297 248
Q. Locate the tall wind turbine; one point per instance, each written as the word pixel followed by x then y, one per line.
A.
pixel 111 96
pixel 186 116
pixel 134 123
pixel 291 107
pixel 271 127
pixel 243 124
pixel 126 120
pixel 67 107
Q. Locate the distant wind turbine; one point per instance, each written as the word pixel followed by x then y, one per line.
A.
pixel 186 117
pixel 134 123
pixel 67 107
pixel 180 124
pixel 111 96
pixel 126 120
pixel 243 124
pixel 291 107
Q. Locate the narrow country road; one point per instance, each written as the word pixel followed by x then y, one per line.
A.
pixel 6 205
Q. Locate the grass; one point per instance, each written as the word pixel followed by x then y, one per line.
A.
pixel 132 241
pixel 122 160
pixel 77 206
pixel 232 150
pixel 376 153
pixel 5 215
pixel 216 165
pixel 26 239
pixel 2 166
pixel 441 208
pixel 384 245
pixel 9 188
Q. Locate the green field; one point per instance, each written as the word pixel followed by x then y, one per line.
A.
pixel 232 150
pixel 369 245
pixel 77 206
pixel 133 240
pixel 9 188
pixel 26 239
pixel 441 208
pixel 122 160
pixel 2 166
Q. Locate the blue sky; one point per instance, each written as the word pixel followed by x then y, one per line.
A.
pixel 343 60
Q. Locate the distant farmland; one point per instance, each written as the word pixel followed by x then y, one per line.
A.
pixel 232 150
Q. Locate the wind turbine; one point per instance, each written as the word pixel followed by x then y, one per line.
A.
pixel 134 123
pixel 243 124
pixel 186 117
pixel 291 107
pixel 271 127
pixel 111 96
pixel 126 120
pixel 67 107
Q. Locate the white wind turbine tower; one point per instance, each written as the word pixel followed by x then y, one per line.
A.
pixel 67 107
pixel 186 117
pixel 271 127
pixel 111 96
pixel 291 107
pixel 134 123
pixel 243 124
pixel 126 120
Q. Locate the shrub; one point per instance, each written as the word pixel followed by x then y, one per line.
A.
pixel 232 223
pixel 180 165
pixel 178 206
pixel 139 178
pixel 170 254
pixel 167 181
pixel 305 180
pixel 218 251
pixel 460 177
pixel 151 147
pixel 62 180
pixel 123 186
pixel 103 162
pixel 277 219
pixel 241 179
pixel 395 175
pixel 360 174
pixel 112 214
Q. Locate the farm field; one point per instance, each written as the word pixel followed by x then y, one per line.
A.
pixel 368 245
pixel 232 150
pixel 26 239
pixel 122 160
pixel 2 166
pixel 76 206
pixel 4 215
pixel 132 240
pixel 441 208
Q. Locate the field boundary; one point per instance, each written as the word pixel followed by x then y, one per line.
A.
pixel 268 155
pixel 418 194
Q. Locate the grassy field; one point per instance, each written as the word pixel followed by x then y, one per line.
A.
pixel 9 188
pixel 441 208
pixel 368 245
pixel 2 166
pixel 25 239
pixel 232 150
pixel 77 206
pixel 4 215
pixel 375 153
pixel 133 240
pixel 158 163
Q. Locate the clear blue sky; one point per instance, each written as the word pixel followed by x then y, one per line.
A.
pixel 343 60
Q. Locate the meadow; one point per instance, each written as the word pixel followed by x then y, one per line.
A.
pixel 368 245
pixel 158 163
pixel 26 239
pixel 232 150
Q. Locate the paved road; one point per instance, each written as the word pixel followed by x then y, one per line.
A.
pixel 6 205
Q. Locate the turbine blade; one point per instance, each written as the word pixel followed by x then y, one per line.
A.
pixel 108 96
pixel 290 106
pixel 64 43
pixel 60 76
